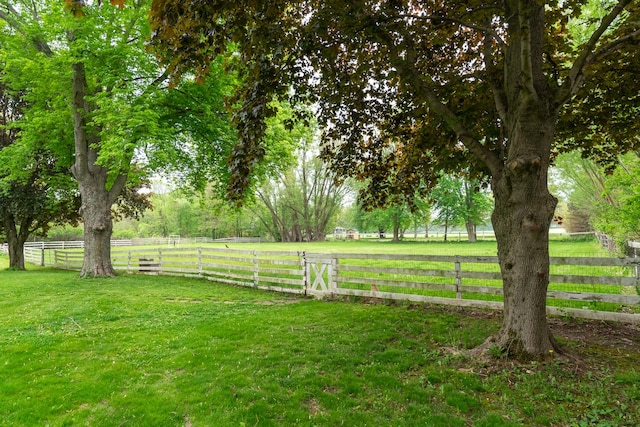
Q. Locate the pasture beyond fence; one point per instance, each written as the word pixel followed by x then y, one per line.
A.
pixel 593 288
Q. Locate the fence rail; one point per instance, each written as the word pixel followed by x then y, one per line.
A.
pixel 71 244
pixel 594 288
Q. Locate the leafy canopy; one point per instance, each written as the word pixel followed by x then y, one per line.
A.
pixel 405 89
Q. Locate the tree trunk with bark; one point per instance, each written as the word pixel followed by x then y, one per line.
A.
pixel 98 227
pixel 446 229
pixel 396 233
pixel 471 231
pixel 528 107
pixel 93 183
pixel 15 244
pixel 521 219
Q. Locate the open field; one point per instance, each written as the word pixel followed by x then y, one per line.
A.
pixel 167 351
pixel 559 246
pixel 588 286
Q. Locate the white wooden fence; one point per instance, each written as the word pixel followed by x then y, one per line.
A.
pixel 37 252
pixel 594 288
pixel 69 244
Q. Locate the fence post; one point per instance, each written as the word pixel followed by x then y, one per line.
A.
pixel 128 262
pixel 458 280
pixel 42 257
pixel 306 273
pixel 200 262
pixel 159 260
pixel 255 269
pixel 333 275
pixel 636 288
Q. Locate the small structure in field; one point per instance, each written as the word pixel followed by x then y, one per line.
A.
pixel 353 234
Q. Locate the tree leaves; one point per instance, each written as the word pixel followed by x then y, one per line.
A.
pixel 374 71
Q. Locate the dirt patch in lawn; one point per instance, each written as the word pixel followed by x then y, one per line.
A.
pixel 589 332
pixel 580 332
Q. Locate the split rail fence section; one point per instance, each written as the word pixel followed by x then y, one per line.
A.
pixel 595 288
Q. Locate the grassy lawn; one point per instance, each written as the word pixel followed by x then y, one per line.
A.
pixel 167 351
pixel 559 246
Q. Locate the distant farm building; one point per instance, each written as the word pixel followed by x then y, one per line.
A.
pixel 353 234
pixel 340 233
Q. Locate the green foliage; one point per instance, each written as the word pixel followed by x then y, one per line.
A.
pixel 191 215
pixel 601 122
pixel 459 201
pixel 448 201
pixel 132 117
pixel 299 202
pixel 200 134
pixel 610 202
pixel 394 219
pixel 618 212
pixel 579 184
pixel 38 52
pixel 427 94
pixel 41 193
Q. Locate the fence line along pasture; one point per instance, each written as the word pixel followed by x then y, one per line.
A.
pixel 36 252
pixel 594 288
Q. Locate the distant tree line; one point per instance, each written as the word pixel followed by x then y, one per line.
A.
pixel 597 198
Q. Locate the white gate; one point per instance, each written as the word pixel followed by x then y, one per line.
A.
pixel 320 275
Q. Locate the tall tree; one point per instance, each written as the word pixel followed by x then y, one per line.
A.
pixel 102 99
pixel 459 201
pixel 609 202
pixel 33 204
pixel 77 65
pixel 476 85
pixel 421 215
pixel 447 196
pixel 302 202
pixel 41 195
pixel 396 216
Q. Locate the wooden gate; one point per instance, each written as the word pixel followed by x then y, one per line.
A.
pixel 320 274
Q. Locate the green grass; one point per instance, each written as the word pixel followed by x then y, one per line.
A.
pixel 424 247
pixel 167 351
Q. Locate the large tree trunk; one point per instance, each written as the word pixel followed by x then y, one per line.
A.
pixel 16 252
pixel 523 212
pixel 98 227
pixel 93 183
pixel 471 231
pixel 15 244
pixel 524 208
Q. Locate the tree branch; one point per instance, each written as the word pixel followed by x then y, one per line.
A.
pixel 610 47
pixel 10 16
pixel 417 80
pixel 576 75
pixel 423 84
pixel 525 16
pixel 80 166
pixel 497 89
pixel 118 185
pixel 487 30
